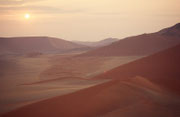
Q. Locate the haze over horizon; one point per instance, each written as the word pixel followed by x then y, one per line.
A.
pixel 86 20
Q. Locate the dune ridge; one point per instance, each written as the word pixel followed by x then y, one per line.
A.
pixel 140 45
pixel 21 45
pixel 137 89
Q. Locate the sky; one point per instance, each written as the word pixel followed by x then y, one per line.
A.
pixel 86 20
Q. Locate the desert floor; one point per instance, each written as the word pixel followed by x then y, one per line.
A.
pixel 24 80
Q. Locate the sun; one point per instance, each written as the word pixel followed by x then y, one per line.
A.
pixel 27 16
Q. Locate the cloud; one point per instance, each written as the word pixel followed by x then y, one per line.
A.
pixel 12 7
pixel 29 8
pixel 37 9
pixel 16 2
pixel 11 2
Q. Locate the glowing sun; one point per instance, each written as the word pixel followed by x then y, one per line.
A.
pixel 27 16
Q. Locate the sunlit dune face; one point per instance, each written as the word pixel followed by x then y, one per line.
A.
pixel 27 16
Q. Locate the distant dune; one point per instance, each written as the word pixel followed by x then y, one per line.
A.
pixel 140 45
pixel 23 45
pixel 143 88
pixel 101 43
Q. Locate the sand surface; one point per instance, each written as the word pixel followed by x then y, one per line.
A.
pixel 25 80
pixel 148 87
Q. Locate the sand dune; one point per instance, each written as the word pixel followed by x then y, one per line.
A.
pixel 140 45
pixel 115 98
pixel 101 43
pixel 162 68
pixel 83 67
pixel 23 45
pixel 22 82
pixel 138 89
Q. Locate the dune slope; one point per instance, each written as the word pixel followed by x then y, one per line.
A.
pixel 140 45
pixel 118 98
pixel 138 89
pixel 36 44
pixel 162 68
pixel 148 87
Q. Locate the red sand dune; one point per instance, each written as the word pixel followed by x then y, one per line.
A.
pixel 129 96
pixel 162 68
pixel 141 45
pixel 116 98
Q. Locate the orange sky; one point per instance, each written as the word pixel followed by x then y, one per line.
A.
pixel 87 20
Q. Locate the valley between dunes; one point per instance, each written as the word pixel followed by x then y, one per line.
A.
pixel 152 90
pixel 26 80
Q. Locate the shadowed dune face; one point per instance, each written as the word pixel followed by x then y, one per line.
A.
pixel 18 70
pixel 162 68
pixel 82 67
pixel 31 78
pixel 141 45
pixel 15 70
pixel 116 98
pixel 5 64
